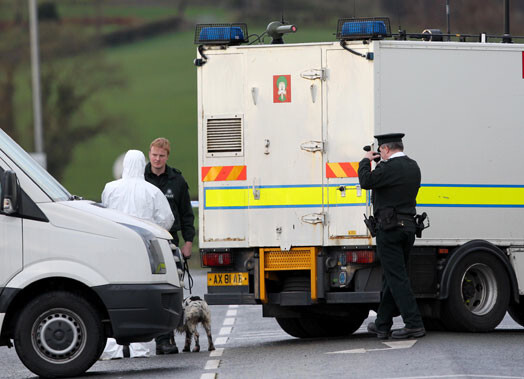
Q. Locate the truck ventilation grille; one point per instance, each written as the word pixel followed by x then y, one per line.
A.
pixel 224 135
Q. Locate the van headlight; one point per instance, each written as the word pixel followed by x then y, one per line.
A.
pixel 156 258
pixel 154 250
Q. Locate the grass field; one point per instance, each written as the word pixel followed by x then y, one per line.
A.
pixel 159 100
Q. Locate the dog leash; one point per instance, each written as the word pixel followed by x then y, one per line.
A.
pixel 185 270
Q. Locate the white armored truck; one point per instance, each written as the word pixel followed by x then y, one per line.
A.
pixel 74 273
pixel 281 130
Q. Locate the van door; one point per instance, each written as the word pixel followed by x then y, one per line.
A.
pixel 284 161
pixel 349 107
pixel 10 244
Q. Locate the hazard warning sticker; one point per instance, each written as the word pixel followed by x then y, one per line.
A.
pixel 281 88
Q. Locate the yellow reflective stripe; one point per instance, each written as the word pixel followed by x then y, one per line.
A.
pixel 470 196
pixel 281 197
pixel 335 196
pixel 230 197
pixel 287 196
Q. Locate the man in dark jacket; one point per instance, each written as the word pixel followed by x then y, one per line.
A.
pixel 175 188
pixel 395 182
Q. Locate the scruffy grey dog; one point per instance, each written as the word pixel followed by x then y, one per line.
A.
pixel 196 311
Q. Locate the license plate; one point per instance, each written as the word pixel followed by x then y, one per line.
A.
pixel 227 279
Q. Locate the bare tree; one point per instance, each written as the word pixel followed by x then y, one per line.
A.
pixel 73 74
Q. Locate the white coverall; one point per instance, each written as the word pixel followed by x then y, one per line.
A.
pixel 136 197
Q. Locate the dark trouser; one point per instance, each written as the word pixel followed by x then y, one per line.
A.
pixel 393 247
pixel 165 339
pixel 168 338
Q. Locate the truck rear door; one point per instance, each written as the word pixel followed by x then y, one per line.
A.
pixel 349 93
pixel 285 146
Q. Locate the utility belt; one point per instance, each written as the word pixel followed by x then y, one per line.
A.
pixel 389 219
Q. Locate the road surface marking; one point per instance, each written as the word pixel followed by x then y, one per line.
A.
pixel 225 330
pixel 460 376
pixel 392 346
pixel 212 364
pixel 217 352
pixel 221 341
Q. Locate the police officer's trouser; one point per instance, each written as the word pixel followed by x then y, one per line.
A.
pixel 393 247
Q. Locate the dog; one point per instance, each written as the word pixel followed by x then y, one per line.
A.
pixel 196 311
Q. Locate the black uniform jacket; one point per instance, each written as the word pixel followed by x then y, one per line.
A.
pixel 394 182
pixel 176 190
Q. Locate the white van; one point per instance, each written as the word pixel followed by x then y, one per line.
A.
pixel 74 273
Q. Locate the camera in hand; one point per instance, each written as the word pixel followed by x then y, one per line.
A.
pixel 368 148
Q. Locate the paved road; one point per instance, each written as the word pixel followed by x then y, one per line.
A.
pixel 251 346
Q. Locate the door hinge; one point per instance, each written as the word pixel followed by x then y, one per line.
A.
pixel 314 218
pixel 313 146
pixel 314 74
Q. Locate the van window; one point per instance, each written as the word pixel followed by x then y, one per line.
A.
pixel 37 173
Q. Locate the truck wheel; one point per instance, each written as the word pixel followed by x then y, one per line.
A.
pixel 516 311
pixel 292 327
pixel 332 326
pixel 478 294
pixel 58 335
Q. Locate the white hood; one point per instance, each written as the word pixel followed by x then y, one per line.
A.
pixel 134 196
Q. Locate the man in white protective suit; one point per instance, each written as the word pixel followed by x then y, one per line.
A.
pixel 136 197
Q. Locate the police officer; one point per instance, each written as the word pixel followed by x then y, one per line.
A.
pixel 175 188
pixel 395 182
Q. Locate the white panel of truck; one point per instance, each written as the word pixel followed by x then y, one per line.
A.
pixel 222 91
pixel 450 99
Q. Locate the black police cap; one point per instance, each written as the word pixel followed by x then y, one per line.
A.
pixel 387 138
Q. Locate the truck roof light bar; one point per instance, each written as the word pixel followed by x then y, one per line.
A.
pixel 221 34
pixel 363 28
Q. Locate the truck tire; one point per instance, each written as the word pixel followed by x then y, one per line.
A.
pixel 59 334
pixel 332 326
pixel 478 294
pixel 292 327
pixel 516 311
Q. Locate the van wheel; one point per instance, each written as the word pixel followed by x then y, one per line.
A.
pixel 516 311
pixel 478 294
pixel 58 335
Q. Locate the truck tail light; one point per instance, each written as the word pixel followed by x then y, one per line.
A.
pixel 216 259
pixel 360 256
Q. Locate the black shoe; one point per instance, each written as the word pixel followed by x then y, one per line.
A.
pixel 126 351
pixel 381 335
pixel 166 348
pixel 408 333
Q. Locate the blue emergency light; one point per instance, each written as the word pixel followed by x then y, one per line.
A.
pixel 221 34
pixel 363 28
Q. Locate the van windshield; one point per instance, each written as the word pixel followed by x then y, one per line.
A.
pixel 37 173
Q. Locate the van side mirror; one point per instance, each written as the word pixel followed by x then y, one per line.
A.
pixel 9 193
